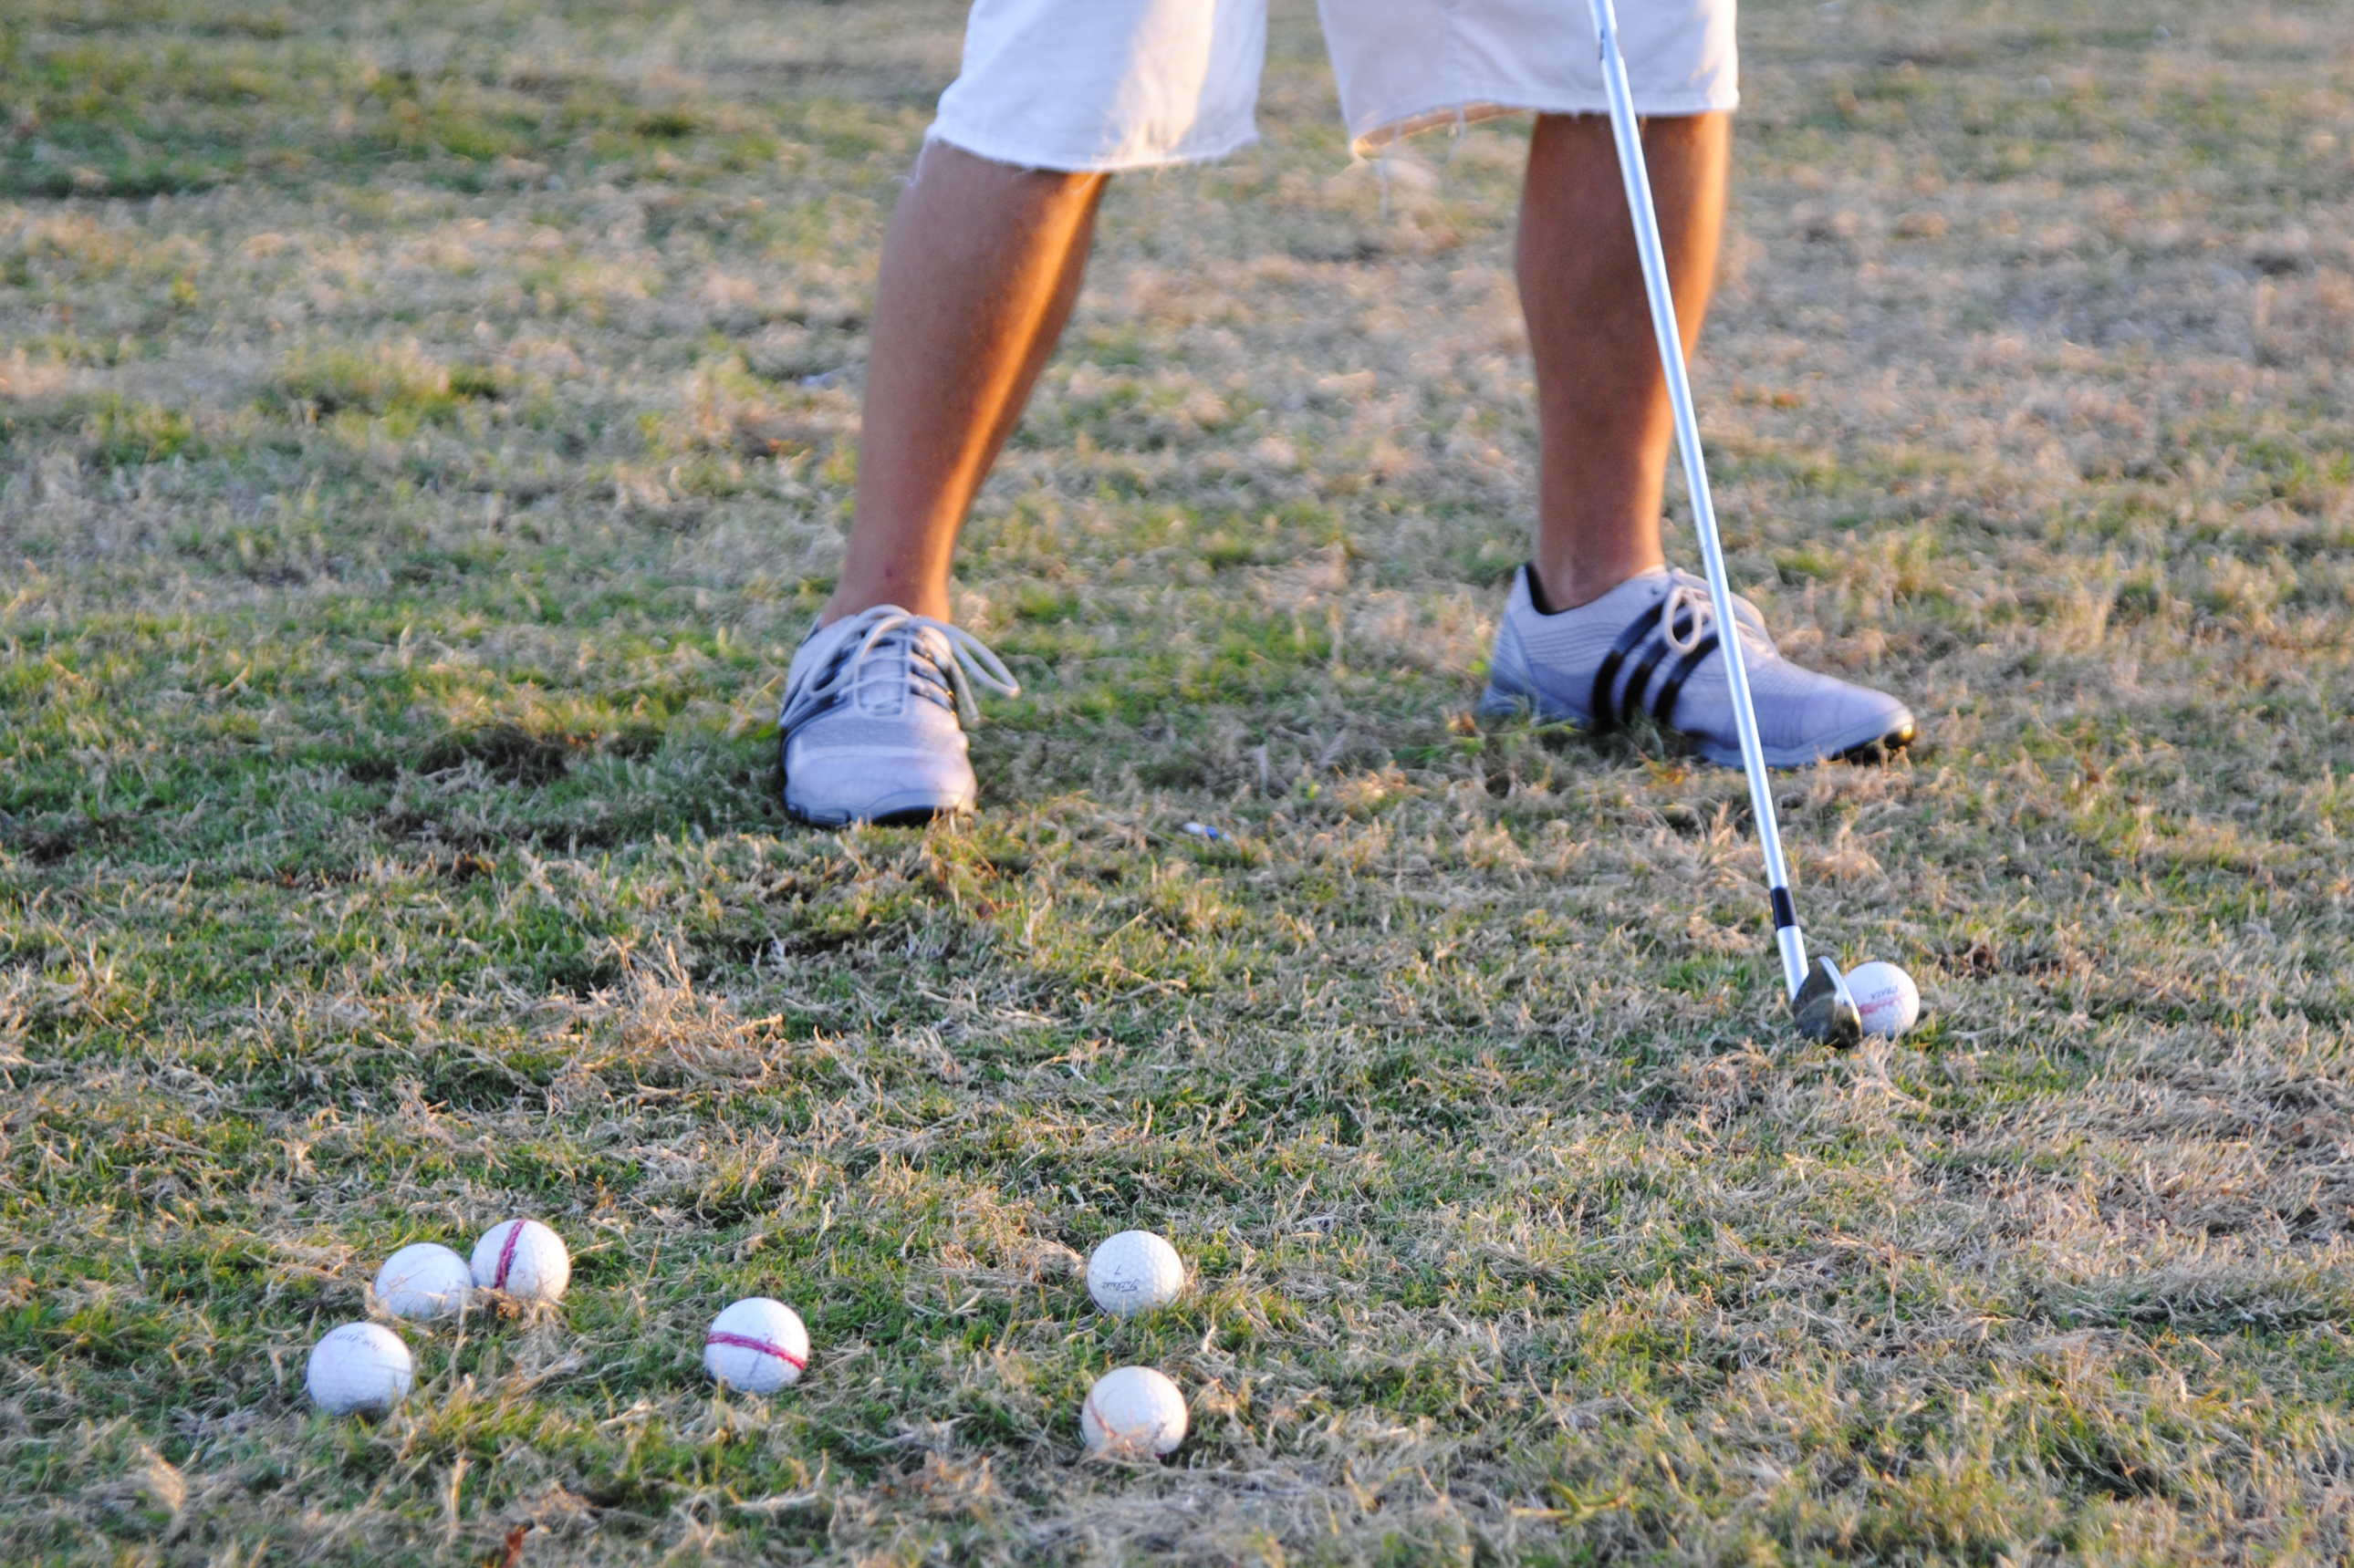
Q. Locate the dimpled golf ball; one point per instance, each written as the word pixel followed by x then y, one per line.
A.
pixel 525 1259
pixel 757 1345
pixel 1135 1271
pixel 1134 1412
pixel 425 1280
pixel 360 1368
pixel 1886 996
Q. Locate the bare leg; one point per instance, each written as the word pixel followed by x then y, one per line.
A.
pixel 1602 399
pixel 980 272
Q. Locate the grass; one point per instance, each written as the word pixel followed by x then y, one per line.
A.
pixel 425 433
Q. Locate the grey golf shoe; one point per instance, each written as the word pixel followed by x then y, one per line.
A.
pixel 1651 645
pixel 870 730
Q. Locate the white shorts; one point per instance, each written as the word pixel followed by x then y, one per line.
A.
pixel 1100 85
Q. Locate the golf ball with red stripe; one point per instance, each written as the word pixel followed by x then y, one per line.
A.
pixel 757 1345
pixel 523 1258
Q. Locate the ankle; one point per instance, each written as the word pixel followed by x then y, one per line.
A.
pixel 846 603
pixel 1567 585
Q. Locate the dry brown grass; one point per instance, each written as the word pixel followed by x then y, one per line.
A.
pixel 427 431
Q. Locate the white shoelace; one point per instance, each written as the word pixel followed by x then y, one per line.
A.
pixel 1682 597
pixel 882 669
pixel 1690 594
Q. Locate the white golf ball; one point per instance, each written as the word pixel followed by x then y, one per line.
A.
pixel 1135 1271
pixel 757 1345
pixel 360 1366
pixel 1886 996
pixel 425 1280
pixel 523 1258
pixel 1134 1412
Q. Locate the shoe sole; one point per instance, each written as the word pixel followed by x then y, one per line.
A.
pixel 1872 745
pixel 912 810
pixel 1495 703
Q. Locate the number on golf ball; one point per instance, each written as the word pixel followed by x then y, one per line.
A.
pixel 523 1258
pixel 425 1280
pixel 359 1368
pixel 757 1345
pixel 1134 1412
pixel 1886 997
pixel 1135 1271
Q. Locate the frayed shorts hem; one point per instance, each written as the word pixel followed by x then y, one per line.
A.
pixel 1058 161
pixel 1385 130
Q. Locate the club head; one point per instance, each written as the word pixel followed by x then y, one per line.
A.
pixel 1825 1010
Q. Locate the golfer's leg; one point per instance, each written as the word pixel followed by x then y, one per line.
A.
pixel 1602 400
pixel 980 271
pixel 1599 632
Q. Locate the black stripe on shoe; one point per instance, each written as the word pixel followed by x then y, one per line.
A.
pixel 1655 653
pixel 1604 704
pixel 1663 706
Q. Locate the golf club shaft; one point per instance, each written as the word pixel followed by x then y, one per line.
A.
pixel 1628 136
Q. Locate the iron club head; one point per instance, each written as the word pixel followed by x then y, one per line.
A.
pixel 1825 1010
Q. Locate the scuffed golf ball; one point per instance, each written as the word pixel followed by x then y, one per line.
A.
pixel 1134 1412
pixel 1886 997
pixel 425 1280
pixel 523 1258
pixel 1135 1271
pixel 360 1368
pixel 757 1345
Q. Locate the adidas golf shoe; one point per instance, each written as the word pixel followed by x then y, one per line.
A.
pixel 1651 645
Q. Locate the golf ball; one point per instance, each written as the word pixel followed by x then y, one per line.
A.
pixel 757 1345
pixel 1134 1412
pixel 360 1366
pixel 425 1280
pixel 1135 1271
pixel 1886 996
pixel 523 1258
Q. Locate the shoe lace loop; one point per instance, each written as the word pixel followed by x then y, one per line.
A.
pixel 895 654
pixel 1686 598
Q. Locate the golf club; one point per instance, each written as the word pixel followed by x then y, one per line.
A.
pixel 1821 1003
